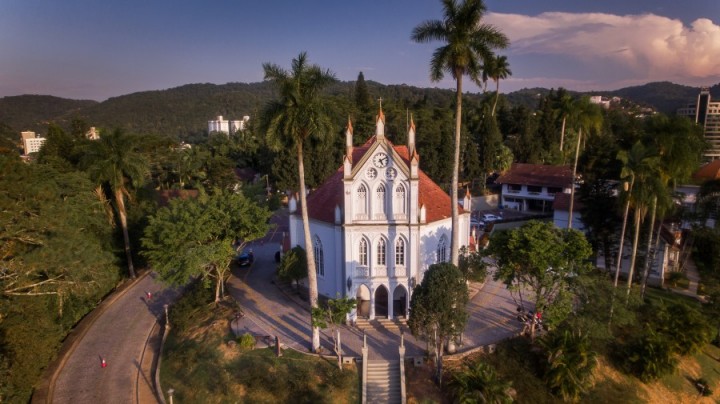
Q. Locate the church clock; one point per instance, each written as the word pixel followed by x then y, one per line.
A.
pixel 380 160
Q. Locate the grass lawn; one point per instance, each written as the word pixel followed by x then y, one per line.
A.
pixel 201 367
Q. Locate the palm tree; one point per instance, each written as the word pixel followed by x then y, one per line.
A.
pixel 468 43
pixel 570 363
pixel 587 116
pixel 566 106
pixel 500 70
pixel 479 383
pixel 640 165
pixel 115 162
pixel 292 120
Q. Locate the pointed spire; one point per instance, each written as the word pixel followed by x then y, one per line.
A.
pixel 380 122
pixel 349 139
pixel 411 137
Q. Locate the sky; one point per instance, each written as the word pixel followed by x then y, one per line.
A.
pixel 90 49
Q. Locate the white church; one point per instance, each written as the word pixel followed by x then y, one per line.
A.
pixel 377 224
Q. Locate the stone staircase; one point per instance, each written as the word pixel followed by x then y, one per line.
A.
pixel 379 323
pixel 383 382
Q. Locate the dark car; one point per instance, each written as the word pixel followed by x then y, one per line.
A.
pixel 246 258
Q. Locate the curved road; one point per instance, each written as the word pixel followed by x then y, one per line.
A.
pixel 120 336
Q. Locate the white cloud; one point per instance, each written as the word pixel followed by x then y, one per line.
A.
pixel 645 47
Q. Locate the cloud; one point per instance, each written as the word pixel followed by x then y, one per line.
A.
pixel 645 47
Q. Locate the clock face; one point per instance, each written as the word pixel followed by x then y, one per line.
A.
pixel 390 173
pixel 371 173
pixel 380 160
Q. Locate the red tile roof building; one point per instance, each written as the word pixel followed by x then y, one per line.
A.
pixel 377 224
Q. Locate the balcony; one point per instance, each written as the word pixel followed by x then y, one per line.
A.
pixel 362 272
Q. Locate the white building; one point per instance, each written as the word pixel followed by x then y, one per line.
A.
pixel 225 126
pixel 377 224
pixel 706 113
pixel 31 142
pixel 532 187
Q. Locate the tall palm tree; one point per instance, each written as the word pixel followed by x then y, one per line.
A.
pixel 116 163
pixel 299 115
pixel 500 70
pixel 640 166
pixel 468 44
pixel 566 106
pixel 587 117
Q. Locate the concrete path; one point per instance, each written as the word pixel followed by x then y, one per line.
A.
pixel 126 336
pixel 269 311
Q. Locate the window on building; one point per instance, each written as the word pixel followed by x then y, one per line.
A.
pixel 514 187
pixel 381 198
pixel 381 252
pixel 442 249
pixel 400 252
pixel 363 258
pixel 400 201
pixel 319 259
pixel 362 199
pixel 534 189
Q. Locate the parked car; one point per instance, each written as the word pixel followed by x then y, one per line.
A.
pixel 477 224
pixel 246 258
pixel 489 217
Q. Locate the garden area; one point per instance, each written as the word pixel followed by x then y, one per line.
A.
pixel 205 363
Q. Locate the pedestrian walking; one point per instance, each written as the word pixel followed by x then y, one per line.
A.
pixel 103 363
pixel 148 296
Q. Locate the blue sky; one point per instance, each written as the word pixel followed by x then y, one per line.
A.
pixel 99 49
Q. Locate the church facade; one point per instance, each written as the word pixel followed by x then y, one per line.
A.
pixel 377 224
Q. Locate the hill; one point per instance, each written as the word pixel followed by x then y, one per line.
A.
pixel 184 111
pixel 34 112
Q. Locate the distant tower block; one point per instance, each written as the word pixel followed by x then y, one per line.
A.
pixel 226 126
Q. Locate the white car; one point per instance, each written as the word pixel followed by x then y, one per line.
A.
pixel 489 217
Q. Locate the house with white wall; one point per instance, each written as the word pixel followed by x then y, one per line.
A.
pixel 532 187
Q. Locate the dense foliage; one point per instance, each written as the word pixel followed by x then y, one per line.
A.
pixel 56 262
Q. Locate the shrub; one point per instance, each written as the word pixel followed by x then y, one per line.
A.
pixel 649 355
pixel 193 304
pixel 246 341
pixel 678 279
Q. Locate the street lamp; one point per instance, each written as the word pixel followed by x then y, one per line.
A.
pixel 170 393
pixel 167 318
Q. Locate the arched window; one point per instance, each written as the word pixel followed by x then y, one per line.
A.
pixel 381 252
pixel 361 203
pixel 442 249
pixel 318 250
pixel 400 252
pixel 400 202
pixel 363 258
pixel 381 199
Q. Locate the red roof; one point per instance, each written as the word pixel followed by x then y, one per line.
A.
pixel 537 175
pixel 710 171
pixel 322 201
pixel 562 202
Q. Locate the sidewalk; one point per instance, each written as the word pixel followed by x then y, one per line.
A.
pixel 269 311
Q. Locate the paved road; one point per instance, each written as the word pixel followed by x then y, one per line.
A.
pixel 269 311
pixel 119 336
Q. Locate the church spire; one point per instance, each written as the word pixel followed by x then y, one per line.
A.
pixel 380 123
pixel 411 137
pixel 349 139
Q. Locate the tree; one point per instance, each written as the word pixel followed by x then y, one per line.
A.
pixel 499 68
pixel 479 383
pixel 544 260
pixel 293 265
pixel 587 117
pixel 472 265
pixel 565 106
pixel 298 116
pixel 332 314
pixel 468 43
pixel 199 237
pixel 437 309
pixel 362 96
pixel 570 363
pixel 115 162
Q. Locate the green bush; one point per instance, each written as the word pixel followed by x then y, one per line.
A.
pixel 678 280
pixel 193 304
pixel 246 341
pixel 648 356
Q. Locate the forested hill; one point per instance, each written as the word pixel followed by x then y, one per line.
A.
pixel 184 111
pixel 34 112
